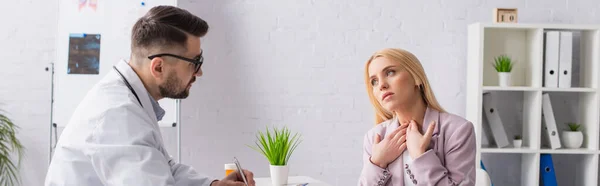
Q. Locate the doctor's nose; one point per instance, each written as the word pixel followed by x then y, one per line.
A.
pixel 198 73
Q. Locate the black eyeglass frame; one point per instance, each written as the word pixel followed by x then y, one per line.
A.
pixel 197 62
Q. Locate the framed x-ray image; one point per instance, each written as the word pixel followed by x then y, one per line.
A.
pixel 84 54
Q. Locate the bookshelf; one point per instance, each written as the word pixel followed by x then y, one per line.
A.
pixel 520 105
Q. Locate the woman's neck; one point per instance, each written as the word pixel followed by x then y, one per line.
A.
pixel 415 111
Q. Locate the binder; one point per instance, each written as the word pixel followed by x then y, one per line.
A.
pixel 565 59
pixel 549 129
pixel 494 122
pixel 547 173
pixel 485 134
pixel 551 57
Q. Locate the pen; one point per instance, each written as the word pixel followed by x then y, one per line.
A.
pixel 239 167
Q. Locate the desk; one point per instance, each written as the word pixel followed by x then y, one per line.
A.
pixel 292 181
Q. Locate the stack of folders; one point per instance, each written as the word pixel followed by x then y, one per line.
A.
pixel 493 124
pixel 558 53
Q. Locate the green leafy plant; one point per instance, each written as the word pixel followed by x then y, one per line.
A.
pixel 9 170
pixel 503 63
pixel 277 145
pixel 573 126
pixel 517 137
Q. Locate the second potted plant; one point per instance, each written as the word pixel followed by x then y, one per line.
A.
pixel 503 65
pixel 517 141
pixel 573 137
pixel 277 146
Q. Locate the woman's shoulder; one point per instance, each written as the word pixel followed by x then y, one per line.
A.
pixel 379 128
pixel 452 123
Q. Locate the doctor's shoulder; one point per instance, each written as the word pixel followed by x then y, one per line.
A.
pixel 115 102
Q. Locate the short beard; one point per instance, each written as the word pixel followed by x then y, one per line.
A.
pixel 169 89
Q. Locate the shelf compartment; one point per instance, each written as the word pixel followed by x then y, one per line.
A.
pixel 517 111
pixel 575 169
pixel 578 107
pixel 525 166
pixel 584 59
pixel 523 46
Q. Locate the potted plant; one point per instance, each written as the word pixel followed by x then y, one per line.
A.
pixel 277 146
pixel 9 144
pixel 573 137
pixel 503 65
pixel 517 141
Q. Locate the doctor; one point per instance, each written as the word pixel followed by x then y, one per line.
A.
pixel 113 137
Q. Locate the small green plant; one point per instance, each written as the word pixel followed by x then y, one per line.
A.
pixel 574 126
pixel 277 145
pixel 517 137
pixel 503 63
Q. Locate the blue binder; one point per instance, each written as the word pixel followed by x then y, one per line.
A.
pixel 547 174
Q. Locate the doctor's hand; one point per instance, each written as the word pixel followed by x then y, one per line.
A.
pixel 417 143
pixel 235 179
pixel 387 150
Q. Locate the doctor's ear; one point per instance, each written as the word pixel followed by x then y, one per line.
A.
pixel 157 66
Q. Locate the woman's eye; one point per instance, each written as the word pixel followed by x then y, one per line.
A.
pixel 391 72
pixel 373 82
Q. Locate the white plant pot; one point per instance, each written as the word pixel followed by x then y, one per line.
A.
pixel 279 175
pixel 517 143
pixel 572 139
pixel 504 79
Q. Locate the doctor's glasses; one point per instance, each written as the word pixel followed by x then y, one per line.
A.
pixel 197 61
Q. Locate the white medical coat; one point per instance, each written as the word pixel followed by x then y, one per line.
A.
pixel 113 140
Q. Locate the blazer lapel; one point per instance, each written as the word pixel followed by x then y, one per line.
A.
pixel 431 115
pixel 396 168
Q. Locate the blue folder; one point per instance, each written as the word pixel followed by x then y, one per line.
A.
pixel 547 174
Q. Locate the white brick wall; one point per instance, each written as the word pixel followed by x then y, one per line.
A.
pixel 27 38
pixel 297 63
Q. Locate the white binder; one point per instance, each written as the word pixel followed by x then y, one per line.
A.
pixel 493 120
pixel 551 57
pixel 486 137
pixel 549 129
pixel 565 58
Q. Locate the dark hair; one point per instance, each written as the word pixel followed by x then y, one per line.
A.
pixel 165 27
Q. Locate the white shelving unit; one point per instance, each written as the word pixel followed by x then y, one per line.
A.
pixel 520 105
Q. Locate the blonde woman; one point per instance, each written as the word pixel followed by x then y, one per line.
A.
pixel 414 142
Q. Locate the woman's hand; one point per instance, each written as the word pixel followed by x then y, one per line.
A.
pixel 417 143
pixel 387 150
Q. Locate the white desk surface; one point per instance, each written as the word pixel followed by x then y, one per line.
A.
pixel 292 181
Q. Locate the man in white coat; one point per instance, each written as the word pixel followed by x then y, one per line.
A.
pixel 113 137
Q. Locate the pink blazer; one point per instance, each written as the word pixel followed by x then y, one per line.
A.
pixel 449 160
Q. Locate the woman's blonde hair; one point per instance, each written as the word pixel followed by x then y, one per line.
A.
pixel 413 66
